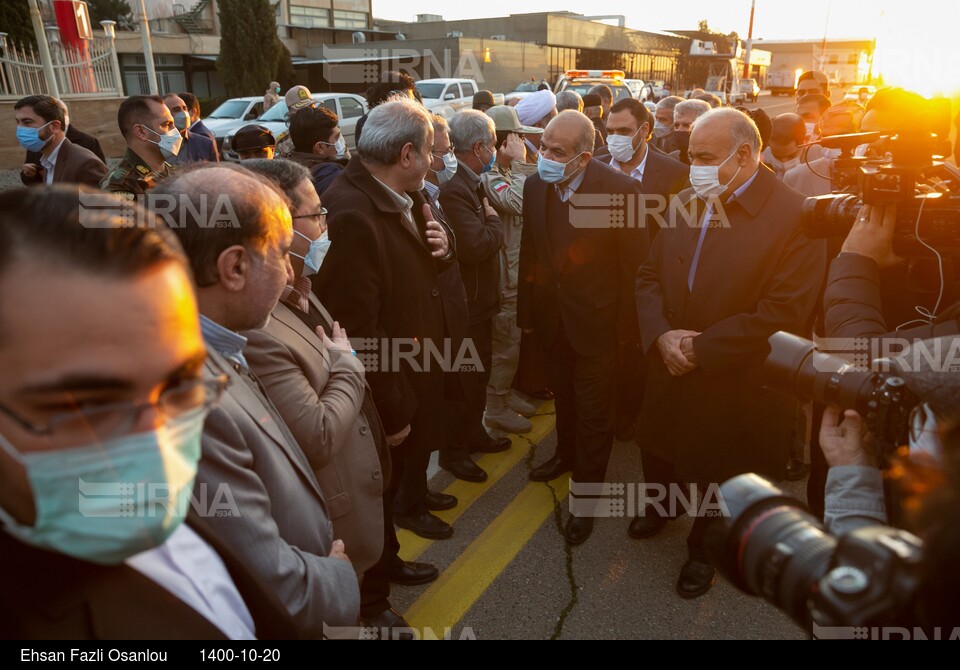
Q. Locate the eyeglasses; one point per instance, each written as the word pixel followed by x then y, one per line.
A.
pixel 322 214
pixel 103 423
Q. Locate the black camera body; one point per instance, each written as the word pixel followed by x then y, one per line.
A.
pixel 770 546
pixel 933 217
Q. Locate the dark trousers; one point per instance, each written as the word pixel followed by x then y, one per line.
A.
pixel 584 393
pixel 631 379
pixel 464 418
pixel 412 457
pixel 375 587
pixel 656 470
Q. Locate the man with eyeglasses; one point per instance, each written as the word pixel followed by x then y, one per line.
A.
pixel 479 234
pixel 100 536
pixel 282 523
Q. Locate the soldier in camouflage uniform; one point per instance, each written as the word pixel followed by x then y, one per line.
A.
pixel 503 185
pixel 152 137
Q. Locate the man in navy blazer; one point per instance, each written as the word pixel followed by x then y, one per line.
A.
pixel 578 259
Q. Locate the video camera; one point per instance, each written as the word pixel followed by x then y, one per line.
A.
pixel 770 546
pixel 796 367
pixel 911 175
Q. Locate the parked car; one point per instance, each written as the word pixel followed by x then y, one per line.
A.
pixel 747 89
pixel 582 81
pixel 635 86
pixel 347 106
pixel 654 91
pixel 456 93
pixel 231 115
pixel 522 90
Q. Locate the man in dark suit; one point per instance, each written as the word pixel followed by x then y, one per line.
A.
pixel 282 525
pixel 116 566
pixel 75 135
pixel 380 281
pixel 576 298
pixel 41 120
pixel 196 148
pixel 479 235
pixel 711 293
pixel 630 127
pixel 196 125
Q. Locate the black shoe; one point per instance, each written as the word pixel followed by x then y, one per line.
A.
pixel 465 469
pixel 408 573
pixel 647 524
pixel 437 502
pixel 578 529
pixel 490 445
pixel 796 470
pixel 542 394
pixel 550 470
pixel 425 525
pixel 626 429
pixel 695 579
pixel 385 622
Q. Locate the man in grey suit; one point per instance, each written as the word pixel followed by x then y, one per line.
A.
pixel 240 266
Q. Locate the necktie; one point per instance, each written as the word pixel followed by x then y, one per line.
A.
pixel 705 223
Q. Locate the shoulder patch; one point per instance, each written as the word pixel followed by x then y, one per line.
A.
pixel 499 185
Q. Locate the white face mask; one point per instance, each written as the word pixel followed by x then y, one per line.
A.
pixel 705 179
pixel 181 120
pixel 811 130
pixel 449 169
pixel 169 143
pixel 782 166
pixel 831 154
pixel 621 147
pixel 661 130
pixel 340 145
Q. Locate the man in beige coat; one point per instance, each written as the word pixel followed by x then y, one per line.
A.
pixel 308 369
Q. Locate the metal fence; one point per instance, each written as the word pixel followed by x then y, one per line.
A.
pixel 91 71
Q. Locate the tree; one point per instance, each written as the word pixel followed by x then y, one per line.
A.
pixel 15 21
pixel 284 74
pixel 249 46
pixel 110 10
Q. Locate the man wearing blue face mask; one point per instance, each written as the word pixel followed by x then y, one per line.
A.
pixel 578 259
pixel 732 268
pixel 196 148
pixel 479 234
pixel 152 140
pixel 41 122
pixel 99 443
pixel 319 145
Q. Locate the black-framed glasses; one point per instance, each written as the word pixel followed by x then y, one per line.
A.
pixel 318 215
pixel 109 421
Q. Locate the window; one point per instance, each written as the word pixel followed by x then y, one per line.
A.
pixel 330 104
pixel 309 17
pixel 350 108
pixel 468 89
pixel 344 19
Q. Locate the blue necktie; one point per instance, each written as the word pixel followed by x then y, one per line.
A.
pixel 705 223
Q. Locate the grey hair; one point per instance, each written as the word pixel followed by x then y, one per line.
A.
pixel 390 127
pixel 670 102
pixel 699 107
pixel 469 127
pixel 285 174
pixel 569 100
pixel 742 129
pixel 440 125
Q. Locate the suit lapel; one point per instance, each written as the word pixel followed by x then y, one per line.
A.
pixel 283 315
pixel 267 419
pixel 63 156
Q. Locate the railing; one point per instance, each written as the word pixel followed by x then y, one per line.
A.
pixel 92 71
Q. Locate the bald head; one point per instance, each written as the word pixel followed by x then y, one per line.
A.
pixel 788 127
pixel 570 131
pixel 729 139
pixel 732 127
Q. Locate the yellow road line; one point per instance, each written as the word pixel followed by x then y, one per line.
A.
pixel 497 465
pixel 465 580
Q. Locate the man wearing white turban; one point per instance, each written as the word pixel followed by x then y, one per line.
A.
pixel 537 110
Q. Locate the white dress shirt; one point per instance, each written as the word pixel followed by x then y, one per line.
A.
pixel 188 568
pixel 565 192
pixel 50 162
pixel 637 172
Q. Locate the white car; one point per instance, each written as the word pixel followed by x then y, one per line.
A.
pixel 456 93
pixel 232 114
pixel 347 106
pixel 635 86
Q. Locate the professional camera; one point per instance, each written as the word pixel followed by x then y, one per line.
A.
pixel 770 546
pixel 911 176
pixel 796 367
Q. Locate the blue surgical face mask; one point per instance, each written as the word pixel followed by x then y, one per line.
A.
pixel 315 255
pixel 493 159
pixel 29 138
pixel 106 502
pixel 553 172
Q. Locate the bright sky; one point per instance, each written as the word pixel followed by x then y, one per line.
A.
pixel 916 42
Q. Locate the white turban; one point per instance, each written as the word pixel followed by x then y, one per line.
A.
pixel 535 106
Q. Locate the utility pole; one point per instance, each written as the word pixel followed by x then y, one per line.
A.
pixel 48 73
pixel 148 50
pixel 746 56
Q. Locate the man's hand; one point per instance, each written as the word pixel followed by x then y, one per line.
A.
pixel 669 346
pixel 686 348
pixel 846 442
pixel 339 551
pixel 872 235
pixel 339 342
pixel 29 170
pixel 397 438
pixel 514 148
pixel 436 235
pixel 488 209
